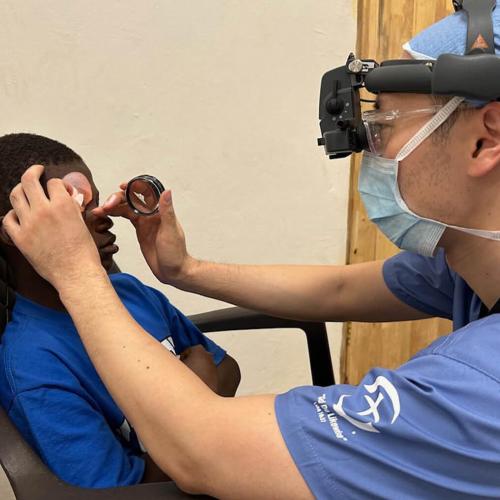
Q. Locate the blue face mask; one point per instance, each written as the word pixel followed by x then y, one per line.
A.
pixel 379 190
pixel 378 186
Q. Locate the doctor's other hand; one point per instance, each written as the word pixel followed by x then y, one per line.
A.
pixel 50 231
pixel 160 236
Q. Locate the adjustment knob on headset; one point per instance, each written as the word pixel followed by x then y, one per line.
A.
pixel 335 106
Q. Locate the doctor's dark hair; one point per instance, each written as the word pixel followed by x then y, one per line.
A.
pixel 442 133
pixel 20 151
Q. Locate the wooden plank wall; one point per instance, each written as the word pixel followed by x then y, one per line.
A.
pixel 383 26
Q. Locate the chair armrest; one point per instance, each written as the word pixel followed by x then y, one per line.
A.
pixel 237 318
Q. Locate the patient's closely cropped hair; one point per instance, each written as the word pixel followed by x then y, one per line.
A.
pixel 48 385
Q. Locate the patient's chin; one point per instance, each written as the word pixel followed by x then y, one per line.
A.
pixel 106 259
pixel 106 254
pixel 107 262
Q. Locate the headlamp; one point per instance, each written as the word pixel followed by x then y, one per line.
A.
pixel 475 75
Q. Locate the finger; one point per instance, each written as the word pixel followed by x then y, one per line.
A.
pixel 119 211
pixel 19 202
pixel 123 185
pixel 115 206
pixel 75 194
pixel 69 187
pixel 4 237
pixel 57 189
pixel 114 200
pixel 11 226
pixel 32 188
pixel 166 206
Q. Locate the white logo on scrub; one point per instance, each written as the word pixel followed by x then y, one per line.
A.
pixel 390 395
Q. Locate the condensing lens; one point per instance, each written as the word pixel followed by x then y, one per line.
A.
pixel 143 194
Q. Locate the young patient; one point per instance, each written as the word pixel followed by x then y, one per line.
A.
pixel 48 385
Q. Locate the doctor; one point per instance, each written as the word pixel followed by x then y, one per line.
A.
pixel 426 430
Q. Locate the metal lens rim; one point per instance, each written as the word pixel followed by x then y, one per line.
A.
pixel 155 184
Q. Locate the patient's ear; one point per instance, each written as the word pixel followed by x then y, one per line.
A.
pixel 4 237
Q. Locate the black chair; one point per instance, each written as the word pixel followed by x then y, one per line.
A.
pixel 24 476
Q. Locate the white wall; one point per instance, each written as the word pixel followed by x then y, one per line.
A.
pixel 218 98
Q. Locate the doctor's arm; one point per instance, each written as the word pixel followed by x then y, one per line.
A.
pixel 355 292
pixel 206 443
pixel 225 447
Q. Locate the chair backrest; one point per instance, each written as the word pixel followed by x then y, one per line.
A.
pixel 7 294
pixel 23 476
pixel 22 466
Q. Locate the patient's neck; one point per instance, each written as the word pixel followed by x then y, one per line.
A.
pixel 32 286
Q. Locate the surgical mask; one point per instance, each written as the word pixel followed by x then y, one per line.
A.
pixel 379 190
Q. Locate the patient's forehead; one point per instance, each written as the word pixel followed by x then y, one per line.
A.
pixel 59 171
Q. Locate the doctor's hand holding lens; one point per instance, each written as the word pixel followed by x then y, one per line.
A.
pixel 145 202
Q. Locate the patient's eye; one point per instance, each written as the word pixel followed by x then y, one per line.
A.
pixel 81 184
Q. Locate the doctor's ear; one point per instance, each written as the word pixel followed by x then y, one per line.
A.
pixel 486 157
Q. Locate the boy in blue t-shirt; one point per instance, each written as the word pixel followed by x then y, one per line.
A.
pixel 48 384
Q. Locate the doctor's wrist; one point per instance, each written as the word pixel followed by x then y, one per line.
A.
pixel 186 276
pixel 76 285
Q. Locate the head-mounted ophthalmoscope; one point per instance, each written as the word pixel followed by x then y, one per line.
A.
pixel 475 75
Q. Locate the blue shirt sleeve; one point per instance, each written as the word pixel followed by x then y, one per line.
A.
pixel 184 332
pixel 74 440
pixel 427 430
pixel 424 283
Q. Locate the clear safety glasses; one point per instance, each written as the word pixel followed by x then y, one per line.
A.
pixel 379 125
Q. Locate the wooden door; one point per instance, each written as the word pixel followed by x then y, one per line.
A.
pixel 383 27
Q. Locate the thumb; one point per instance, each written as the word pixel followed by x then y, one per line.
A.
pixel 75 194
pixel 166 207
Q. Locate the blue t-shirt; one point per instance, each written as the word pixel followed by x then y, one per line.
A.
pixel 53 394
pixel 431 428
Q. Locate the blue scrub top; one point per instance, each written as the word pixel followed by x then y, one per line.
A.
pixel 431 428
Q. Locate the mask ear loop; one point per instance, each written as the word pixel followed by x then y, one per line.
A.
pixel 432 125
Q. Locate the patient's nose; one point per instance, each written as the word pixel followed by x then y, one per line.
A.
pixel 103 224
